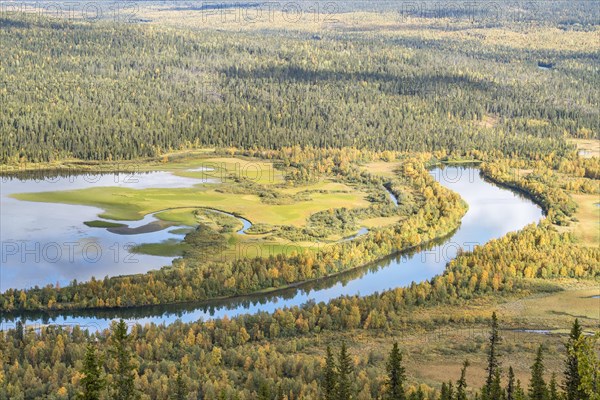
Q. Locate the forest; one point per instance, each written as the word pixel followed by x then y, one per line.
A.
pixel 373 101
pixel 145 363
pixel 77 98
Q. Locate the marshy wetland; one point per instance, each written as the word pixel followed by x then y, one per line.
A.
pixel 191 200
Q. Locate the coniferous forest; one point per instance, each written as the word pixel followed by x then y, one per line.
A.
pixel 154 90
pixel 352 106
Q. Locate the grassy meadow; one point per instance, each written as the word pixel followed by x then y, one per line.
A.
pixel 121 203
pixel 229 184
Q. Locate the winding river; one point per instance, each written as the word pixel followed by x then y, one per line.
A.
pixel 493 212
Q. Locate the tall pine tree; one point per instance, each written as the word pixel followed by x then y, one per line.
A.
pixel 493 367
pixel 396 375
pixel 510 387
pixel 586 351
pixel 461 384
pixel 329 377
pixel 572 380
pixel 124 373
pixel 537 386
pixel 447 392
pixel 495 391
pixel 344 375
pixel 92 382
pixel 444 395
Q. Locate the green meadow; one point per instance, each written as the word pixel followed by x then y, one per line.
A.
pixel 128 204
pixel 237 187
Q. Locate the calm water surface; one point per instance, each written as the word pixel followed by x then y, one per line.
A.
pixel 44 243
pixel 492 213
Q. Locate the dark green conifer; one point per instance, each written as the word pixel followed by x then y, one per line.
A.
pixel 572 379
pixel 537 386
pixel 124 373
pixel 396 375
pixel 344 375
pixel 92 382
pixel 329 377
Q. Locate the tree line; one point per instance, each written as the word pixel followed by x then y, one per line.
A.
pixel 157 362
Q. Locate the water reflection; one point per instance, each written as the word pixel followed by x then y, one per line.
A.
pixel 492 213
pixel 45 243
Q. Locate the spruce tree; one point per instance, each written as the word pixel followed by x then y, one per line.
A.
pixel 329 378
pixel 447 392
pixel 572 380
pixel 396 375
pixel 510 387
pixel 344 375
pixel 495 390
pixel 124 372
pixel 450 390
pixel 19 332
pixel 537 386
pixel 461 384
pixel 519 392
pixel 553 389
pixel 492 358
pixel 588 366
pixel 92 381
pixel 444 392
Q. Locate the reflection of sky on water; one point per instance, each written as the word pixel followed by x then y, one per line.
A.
pixel 492 213
pixel 392 197
pixel 46 243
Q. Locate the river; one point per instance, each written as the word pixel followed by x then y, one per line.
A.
pixel 492 213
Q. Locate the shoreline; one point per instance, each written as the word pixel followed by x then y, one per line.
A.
pixel 275 290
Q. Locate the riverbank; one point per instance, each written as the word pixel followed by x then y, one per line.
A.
pixel 375 278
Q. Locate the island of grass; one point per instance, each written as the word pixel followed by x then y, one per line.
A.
pixel 283 213
pixel 103 224
pixel 167 248
pixel 259 201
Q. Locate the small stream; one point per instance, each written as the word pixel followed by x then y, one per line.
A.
pixel 245 223
pixel 393 197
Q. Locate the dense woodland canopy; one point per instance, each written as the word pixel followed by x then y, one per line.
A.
pixel 230 359
pixel 115 91
pixel 319 106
